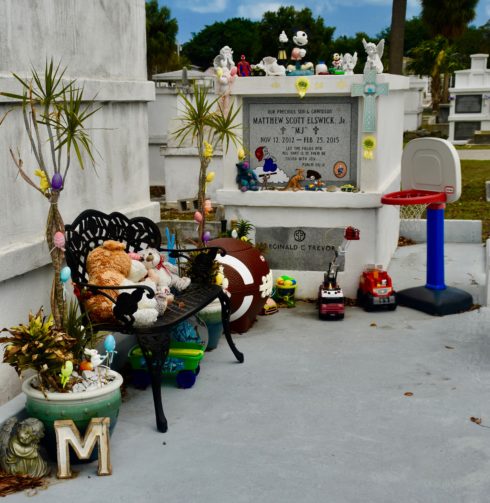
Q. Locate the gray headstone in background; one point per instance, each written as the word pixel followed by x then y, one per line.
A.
pixel 487 191
pixel 468 104
pixel 301 248
pixel 320 134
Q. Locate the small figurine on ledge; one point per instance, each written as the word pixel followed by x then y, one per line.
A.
pixel 281 55
pixel 349 62
pixel 243 67
pixel 225 66
pixel 297 54
pixel 271 67
pixel 374 55
pixel 337 64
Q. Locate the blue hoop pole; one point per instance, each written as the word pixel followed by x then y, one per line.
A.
pixel 435 247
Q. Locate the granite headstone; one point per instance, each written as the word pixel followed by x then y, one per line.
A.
pixel 316 134
pixel 301 248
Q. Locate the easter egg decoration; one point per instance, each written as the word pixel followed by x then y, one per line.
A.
pixel 57 181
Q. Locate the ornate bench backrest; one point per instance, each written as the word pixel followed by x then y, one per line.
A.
pixel 91 228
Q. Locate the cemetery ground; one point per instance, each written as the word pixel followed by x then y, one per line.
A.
pixel 381 407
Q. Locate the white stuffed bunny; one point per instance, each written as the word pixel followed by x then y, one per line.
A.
pixel 164 274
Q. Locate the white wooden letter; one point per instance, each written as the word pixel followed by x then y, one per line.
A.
pixel 67 434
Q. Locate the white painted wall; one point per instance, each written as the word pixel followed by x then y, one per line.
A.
pixel 103 46
pixel 414 103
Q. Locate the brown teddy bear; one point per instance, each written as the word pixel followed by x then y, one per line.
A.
pixel 110 265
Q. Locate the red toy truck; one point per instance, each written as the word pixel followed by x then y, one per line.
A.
pixel 376 290
pixel 331 301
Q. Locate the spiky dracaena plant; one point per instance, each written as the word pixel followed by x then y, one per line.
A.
pixel 207 121
pixel 39 346
pixel 55 113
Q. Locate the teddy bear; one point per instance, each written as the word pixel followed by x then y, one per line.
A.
pixel 246 177
pixel 110 265
pixel 163 274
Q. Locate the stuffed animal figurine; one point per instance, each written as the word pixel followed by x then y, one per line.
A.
pixel 163 274
pixel 110 265
pixel 246 177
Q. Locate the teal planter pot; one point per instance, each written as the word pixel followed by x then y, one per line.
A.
pixel 211 315
pixel 80 407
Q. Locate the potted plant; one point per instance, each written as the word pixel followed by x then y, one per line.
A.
pixel 59 388
pixel 55 114
pixel 208 122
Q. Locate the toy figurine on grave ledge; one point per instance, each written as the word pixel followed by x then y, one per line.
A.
pixel 336 68
pixel 224 66
pixel 374 54
pixel 297 54
pixel 243 67
pixel 271 67
pixel 294 182
pixel 349 62
pixel 246 178
pixel 281 55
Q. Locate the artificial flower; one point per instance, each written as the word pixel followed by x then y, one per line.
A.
pixel 208 150
pixel 43 180
pixel 302 85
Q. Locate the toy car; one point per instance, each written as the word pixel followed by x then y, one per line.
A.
pixel 182 363
pixel 187 345
pixel 331 301
pixel 375 291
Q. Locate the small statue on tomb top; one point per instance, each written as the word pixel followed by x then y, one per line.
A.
pixel 243 67
pixel 281 55
pixel 374 54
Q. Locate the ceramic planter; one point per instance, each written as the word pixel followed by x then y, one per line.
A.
pixel 211 315
pixel 80 407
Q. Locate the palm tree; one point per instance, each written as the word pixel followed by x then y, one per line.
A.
pixel 207 121
pixel 448 18
pixel 397 35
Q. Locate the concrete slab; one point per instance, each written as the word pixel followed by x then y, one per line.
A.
pixel 374 408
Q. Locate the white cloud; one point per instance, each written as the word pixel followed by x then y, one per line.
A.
pixel 256 10
pixel 204 7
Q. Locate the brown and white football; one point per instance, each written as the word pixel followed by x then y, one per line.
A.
pixel 249 280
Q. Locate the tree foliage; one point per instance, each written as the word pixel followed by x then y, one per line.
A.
pixel 259 39
pixel 290 20
pixel 448 18
pixel 238 33
pixel 161 45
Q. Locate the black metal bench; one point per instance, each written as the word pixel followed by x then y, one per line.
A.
pixel 89 230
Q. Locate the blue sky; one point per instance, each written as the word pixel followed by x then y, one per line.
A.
pixel 348 16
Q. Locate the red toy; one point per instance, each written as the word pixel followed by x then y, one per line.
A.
pixel 249 281
pixel 376 290
pixel 331 300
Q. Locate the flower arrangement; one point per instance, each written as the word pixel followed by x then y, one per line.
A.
pixel 55 112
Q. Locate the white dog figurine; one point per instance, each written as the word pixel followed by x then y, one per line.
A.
pixel 374 55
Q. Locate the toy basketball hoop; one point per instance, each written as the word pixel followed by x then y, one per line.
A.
pixel 431 176
pixel 413 203
pixel 413 197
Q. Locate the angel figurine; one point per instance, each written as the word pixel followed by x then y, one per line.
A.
pixel 374 54
pixel 19 447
